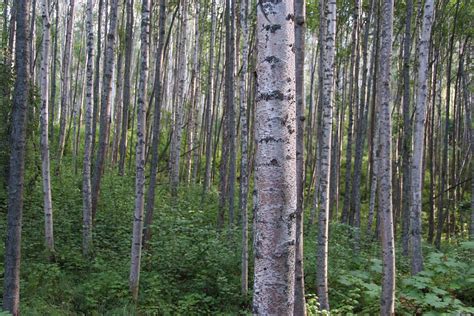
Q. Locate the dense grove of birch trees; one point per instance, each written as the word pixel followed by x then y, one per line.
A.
pixel 299 113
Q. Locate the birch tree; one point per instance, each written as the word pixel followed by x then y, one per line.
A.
pixel 244 181
pixel 44 118
pixel 150 202
pixel 209 99
pixel 140 153
pixel 11 277
pixel 275 161
pixel 65 79
pixel 126 85
pixel 419 138
pixel 299 7
pixel 384 173
pixel 178 115
pixel 328 54
pixel 86 172
pixel 104 130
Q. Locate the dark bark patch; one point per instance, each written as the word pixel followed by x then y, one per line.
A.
pixel 273 28
pixel 274 95
pixel 272 60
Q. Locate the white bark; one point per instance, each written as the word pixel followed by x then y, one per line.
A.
pixel 140 154
pixel 325 152
pixel 178 115
pixel 65 79
pixel 384 163
pixel 45 161
pixel 419 139
pixel 275 161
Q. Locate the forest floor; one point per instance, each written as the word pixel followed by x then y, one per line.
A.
pixel 190 268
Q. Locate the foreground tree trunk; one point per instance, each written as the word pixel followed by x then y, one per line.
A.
pixel 140 153
pixel 45 162
pixel 384 173
pixel 86 180
pixel 325 152
pixel 11 278
pixel 275 161
pixel 419 139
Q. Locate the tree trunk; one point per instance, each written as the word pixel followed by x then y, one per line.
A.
pixel 244 179
pixel 275 173
pixel 444 163
pixel 45 162
pixel 86 180
pixel 178 118
pixel 419 139
pixel 140 153
pixel 150 202
pixel 361 128
pixel 407 130
pixel 325 152
pixel 209 99
pixel 53 71
pixel 11 278
pixel 65 88
pixel 126 85
pixel 229 85
pixel 97 75
pixel 387 304
pixel 299 7
pixel 105 106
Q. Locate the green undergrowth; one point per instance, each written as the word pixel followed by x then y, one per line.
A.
pixel 189 268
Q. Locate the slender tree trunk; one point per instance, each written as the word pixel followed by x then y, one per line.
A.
pixel 32 39
pixel 105 106
pixel 11 278
pixel 45 162
pixel 53 71
pixel 126 85
pixel 387 304
pixel 209 100
pixel 97 74
pixel 140 153
pixel 361 128
pixel 444 164
pixel 347 215
pixel 229 72
pixel 407 131
pixel 432 156
pixel 244 179
pixel 118 105
pixel 86 180
pixel 150 202
pixel 325 152
pixel 65 79
pixel 419 139
pixel 299 7
pixel 275 173
pixel 178 119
